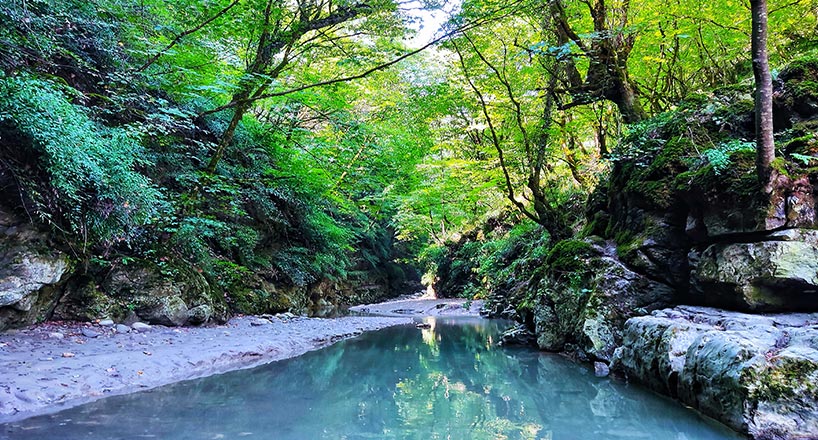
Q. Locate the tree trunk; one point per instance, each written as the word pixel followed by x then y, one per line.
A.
pixel 227 136
pixel 765 143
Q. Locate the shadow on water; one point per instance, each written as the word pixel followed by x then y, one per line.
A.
pixel 448 381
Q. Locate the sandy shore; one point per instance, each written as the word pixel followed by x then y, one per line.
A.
pixel 420 306
pixel 52 366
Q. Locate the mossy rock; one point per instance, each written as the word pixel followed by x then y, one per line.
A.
pixel 83 301
pixel 567 256
pixel 799 98
pixel 786 378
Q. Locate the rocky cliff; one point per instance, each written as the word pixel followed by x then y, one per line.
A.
pixel 681 221
pixel 40 282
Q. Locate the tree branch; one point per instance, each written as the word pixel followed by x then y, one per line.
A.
pixel 184 34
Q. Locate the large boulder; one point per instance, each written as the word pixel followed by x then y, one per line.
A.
pixel 83 301
pixel 777 273
pixel 30 272
pixel 584 310
pixel 756 373
pixel 160 297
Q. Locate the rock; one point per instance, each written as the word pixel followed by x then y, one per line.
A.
pixel 122 328
pixel 589 310
pixel 777 274
pixel 88 333
pixel 518 335
pixel 159 298
pixel 601 369
pixel 31 271
pixel 68 354
pixel 106 323
pixel 83 301
pixel 56 335
pixel 257 322
pixel 140 327
pixel 757 374
pixel 24 272
pixel 169 310
pixel 200 314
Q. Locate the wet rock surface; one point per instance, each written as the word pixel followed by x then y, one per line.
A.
pixel 585 315
pixel 756 373
pixel 518 335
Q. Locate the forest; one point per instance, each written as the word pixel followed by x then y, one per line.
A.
pixel 624 179
pixel 265 148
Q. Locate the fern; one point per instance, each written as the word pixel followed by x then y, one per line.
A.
pixel 719 157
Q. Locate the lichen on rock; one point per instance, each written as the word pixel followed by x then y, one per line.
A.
pixel 756 373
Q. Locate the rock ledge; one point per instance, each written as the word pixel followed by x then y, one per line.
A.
pixel 756 373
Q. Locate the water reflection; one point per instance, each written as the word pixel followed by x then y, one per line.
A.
pixel 445 382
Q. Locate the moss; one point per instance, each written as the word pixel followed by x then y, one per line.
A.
pixel 780 165
pixel 788 379
pixel 801 70
pixel 626 242
pixel 738 179
pixel 737 114
pixel 804 89
pixel 258 301
pixel 567 256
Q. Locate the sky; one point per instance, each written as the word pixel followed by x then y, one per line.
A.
pixel 429 21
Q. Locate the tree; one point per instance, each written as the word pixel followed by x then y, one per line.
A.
pixel 284 35
pixel 765 143
pixel 607 49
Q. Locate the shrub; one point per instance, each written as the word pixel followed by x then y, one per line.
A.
pixel 91 187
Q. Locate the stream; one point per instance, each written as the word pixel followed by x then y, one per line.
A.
pixel 449 381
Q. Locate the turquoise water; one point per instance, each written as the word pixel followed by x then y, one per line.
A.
pixel 446 382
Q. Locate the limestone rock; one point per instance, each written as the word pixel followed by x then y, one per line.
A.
pixel 140 327
pixel 158 298
pixel 590 310
pixel 83 301
pixel 601 369
pixel 23 272
pixel 779 273
pixel 757 374
pixel 168 310
pixel 30 272
pixel 88 333
pixel 200 314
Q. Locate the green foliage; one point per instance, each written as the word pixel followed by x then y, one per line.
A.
pixel 806 160
pixel 568 256
pixel 92 187
pixel 109 116
pixel 479 265
pixel 719 157
pixel 65 36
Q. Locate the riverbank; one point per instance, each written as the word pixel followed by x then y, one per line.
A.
pixel 421 307
pixel 55 365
